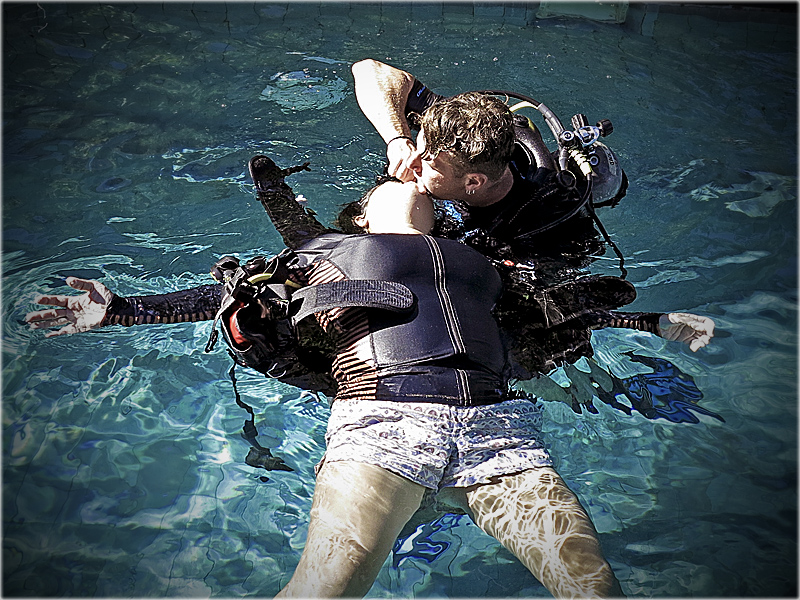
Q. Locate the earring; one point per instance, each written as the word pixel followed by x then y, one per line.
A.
pixel 470 192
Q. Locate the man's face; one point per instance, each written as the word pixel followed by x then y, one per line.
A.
pixel 436 176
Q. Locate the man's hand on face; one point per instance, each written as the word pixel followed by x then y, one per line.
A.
pixel 401 153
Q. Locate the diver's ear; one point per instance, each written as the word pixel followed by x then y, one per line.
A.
pixel 474 182
pixel 361 221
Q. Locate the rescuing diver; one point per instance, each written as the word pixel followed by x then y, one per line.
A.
pixel 517 200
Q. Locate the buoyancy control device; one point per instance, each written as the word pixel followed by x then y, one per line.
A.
pixel 263 317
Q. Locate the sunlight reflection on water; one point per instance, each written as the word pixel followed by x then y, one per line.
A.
pixel 126 138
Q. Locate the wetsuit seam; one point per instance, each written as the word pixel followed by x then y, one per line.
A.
pixel 450 315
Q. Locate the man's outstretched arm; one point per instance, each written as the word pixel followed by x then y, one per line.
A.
pixel 295 223
pixel 693 330
pixel 99 307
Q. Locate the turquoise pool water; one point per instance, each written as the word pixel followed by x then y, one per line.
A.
pixel 127 129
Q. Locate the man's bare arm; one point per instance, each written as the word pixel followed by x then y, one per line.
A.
pixel 382 92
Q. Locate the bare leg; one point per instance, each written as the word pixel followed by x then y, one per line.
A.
pixel 538 518
pixel 357 513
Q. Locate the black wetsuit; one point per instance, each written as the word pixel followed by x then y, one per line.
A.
pixel 527 219
pixel 522 220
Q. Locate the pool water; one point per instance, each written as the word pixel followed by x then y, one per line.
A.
pixel 127 130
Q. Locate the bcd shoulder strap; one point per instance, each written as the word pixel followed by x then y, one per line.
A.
pixel 366 293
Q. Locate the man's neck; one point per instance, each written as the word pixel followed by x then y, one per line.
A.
pixel 493 192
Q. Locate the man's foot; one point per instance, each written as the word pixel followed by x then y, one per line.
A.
pixel 267 176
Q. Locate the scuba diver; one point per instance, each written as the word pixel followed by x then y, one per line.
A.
pixel 587 301
pixel 505 192
pixel 419 365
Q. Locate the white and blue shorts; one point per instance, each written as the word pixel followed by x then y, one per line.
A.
pixel 438 445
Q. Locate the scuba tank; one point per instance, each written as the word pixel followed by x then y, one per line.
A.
pixel 579 147
pixel 579 150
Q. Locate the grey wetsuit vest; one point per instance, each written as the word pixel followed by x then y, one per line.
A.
pixel 452 325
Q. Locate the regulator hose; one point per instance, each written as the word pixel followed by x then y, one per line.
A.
pixel 549 116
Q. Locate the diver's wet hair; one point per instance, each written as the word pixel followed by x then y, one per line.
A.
pixel 346 219
pixel 477 129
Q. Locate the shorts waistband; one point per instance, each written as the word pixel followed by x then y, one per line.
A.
pixel 442 385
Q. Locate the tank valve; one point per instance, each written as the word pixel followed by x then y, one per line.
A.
pixel 579 121
pixel 605 126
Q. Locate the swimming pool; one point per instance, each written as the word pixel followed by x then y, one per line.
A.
pixel 127 129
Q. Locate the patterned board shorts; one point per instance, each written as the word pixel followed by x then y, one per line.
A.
pixel 437 445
